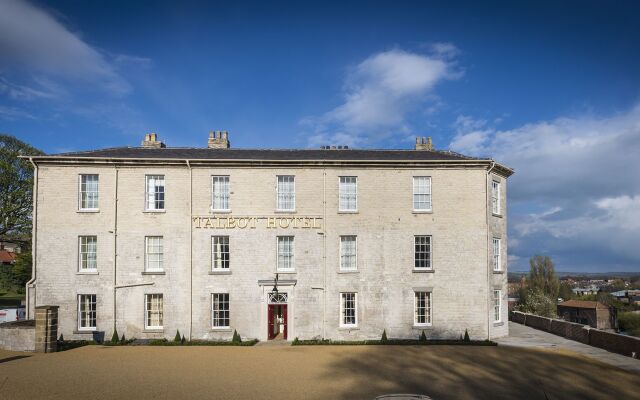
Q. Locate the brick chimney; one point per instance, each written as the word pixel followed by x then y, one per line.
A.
pixel 218 140
pixel 151 141
pixel 424 143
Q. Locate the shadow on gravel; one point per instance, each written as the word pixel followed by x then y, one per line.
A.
pixel 4 360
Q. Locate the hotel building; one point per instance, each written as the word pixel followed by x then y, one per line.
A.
pixel 330 243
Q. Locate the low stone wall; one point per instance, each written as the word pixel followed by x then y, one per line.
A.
pixel 18 336
pixel 622 344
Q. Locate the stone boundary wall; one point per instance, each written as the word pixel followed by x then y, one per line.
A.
pixel 614 342
pixel 18 336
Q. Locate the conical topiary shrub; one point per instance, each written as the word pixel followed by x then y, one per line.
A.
pixel 114 337
pixel 61 338
pixel 236 338
pixel 183 339
pixel 423 337
pixel 122 339
pixel 178 337
pixel 466 336
pixel 384 336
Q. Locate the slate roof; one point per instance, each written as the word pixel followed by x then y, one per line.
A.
pixel 185 153
pixel 583 304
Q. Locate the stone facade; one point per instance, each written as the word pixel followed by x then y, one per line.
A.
pixel 461 224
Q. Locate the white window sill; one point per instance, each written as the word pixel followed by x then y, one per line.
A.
pixel 498 271
pixel 423 270
pixel 221 329
pixel 288 271
pixel 422 211
pixel 285 211
pixel 88 210
pixel 348 328
pixel 220 272
pixel 155 211
pixel 88 272
pixel 422 326
pixel 348 271
pixel 215 211
pixel 153 330
pixel 347 211
pixel 154 273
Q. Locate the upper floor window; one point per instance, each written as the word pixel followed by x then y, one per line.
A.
pixel 89 191
pixel 285 253
pixel 286 190
pixel 153 311
pixel 220 193
pixel 497 305
pixel 155 192
pixel 86 312
pixel 220 310
pixel 496 254
pixel 348 193
pixel 422 309
pixel 88 253
pixel 495 197
pixel 348 309
pixel 220 252
pixel 422 193
pixel 348 258
pixel 154 254
pixel 422 254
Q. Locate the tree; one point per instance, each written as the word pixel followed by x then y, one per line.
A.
pixel 565 291
pixel 542 276
pixel 16 188
pixel 538 303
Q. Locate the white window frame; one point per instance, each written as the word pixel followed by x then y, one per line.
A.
pixel 495 197
pixel 152 204
pixel 280 254
pixel 92 310
pixel 343 239
pixel 430 252
pixel 283 197
pixel 160 312
pixel 222 241
pixel 82 251
pixel 497 305
pixel 428 308
pixel 216 318
pixel 147 253
pixel 344 197
pixel 497 254
pixel 417 191
pixel 343 316
pixel 82 190
pixel 224 196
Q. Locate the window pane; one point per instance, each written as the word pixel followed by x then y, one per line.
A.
pixel 422 252
pixel 89 192
pixel 87 311
pixel 422 193
pixel 154 311
pixel 348 253
pixel 88 252
pixel 286 192
pixel 285 253
pixel 348 193
pixel 496 254
pixel 220 192
pixel 220 310
pixel 495 197
pixel 220 252
pixel 422 308
pixel 497 303
pixel 348 309
pixel 154 253
pixel 155 192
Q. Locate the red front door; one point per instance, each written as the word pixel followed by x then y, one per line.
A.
pixel 277 321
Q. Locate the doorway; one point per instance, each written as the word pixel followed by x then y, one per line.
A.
pixel 277 322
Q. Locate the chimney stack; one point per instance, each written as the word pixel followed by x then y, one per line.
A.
pixel 151 141
pixel 424 143
pixel 218 140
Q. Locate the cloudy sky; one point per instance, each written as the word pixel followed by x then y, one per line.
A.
pixel 552 90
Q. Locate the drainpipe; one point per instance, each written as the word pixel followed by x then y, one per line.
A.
pixel 190 249
pixel 115 248
pixel 489 291
pixel 324 252
pixel 34 238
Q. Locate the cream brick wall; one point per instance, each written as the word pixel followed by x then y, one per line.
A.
pixel 461 226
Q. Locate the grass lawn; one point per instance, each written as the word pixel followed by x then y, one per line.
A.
pixel 311 372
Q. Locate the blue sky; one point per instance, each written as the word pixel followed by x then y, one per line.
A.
pixel 549 88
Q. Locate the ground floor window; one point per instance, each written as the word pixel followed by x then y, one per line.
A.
pixel 153 311
pixel 422 309
pixel 497 305
pixel 348 309
pixel 220 310
pixel 86 311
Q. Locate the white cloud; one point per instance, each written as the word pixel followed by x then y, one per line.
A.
pixel 380 92
pixel 583 172
pixel 32 39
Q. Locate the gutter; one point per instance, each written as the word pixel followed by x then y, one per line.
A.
pixel 34 238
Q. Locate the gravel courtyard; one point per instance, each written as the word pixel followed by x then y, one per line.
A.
pixel 310 372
